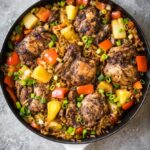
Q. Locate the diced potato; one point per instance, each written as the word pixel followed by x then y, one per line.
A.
pixel 41 74
pixel 55 125
pixel 25 72
pixel 30 21
pixel 123 95
pixel 53 108
pixel 107 87
pixel 69 33
pixel 71 12
pixel 118 29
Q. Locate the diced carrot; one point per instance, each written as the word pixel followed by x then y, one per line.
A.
pixel 79 130
pixel 43 14
pixel 27 31
pixel 70 2
pixel 8 81
pixel 106 45
pixel 142 63
pixel 12 94
pixel 12 69
pixel 100 6
pixel 116 14
pixel 85 89
pixel 59 93
pixel 59 27
pixel 128 105
pixel 13 59
pixel 137 85
pixel 130 24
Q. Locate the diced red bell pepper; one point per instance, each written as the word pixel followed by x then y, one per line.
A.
pixel 100 5
pixel 128 105
pixel 59 93
pixel 79 130
pixel 85 89
pixel 50 56
pixel 142 63
pixel 116 14
pixel 13 59
pixel 8 81
pixel 11 93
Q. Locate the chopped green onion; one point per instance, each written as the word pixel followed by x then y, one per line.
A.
pixel 52 87
pixel 62 3
pixel 116 86
pixel 126 20
pixel 78 104
pixel 78 119
pixel 104 21
pixel 51 44
pixel 112 97
pixel 101 91
pixel 84 39
pixel 80 98
pixel 118 105
pixel 121 30
pixel 141 74
pixel 18 29
pixel 18 105
pixel 142 81
pixel 10 45
pixel 135 91
pixel 23 82
pixel 43 100
pixel 81 7
pixel 108 94
pixel 71 131
pixel 101 78
pixel 108 79
pixel 38 97
pixel 54 23
pixel 64 104
pixel 54 38
pixel 32 95
pixel 118 42
pixel 93 132
pixel 30 82
pixel 104 11
pixel 84 133
pixel 116 99
pixel 104 57
pixel 24 111
pixel 99 51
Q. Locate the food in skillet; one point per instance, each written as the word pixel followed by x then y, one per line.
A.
pixel 74 67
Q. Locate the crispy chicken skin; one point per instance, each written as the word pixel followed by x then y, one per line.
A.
pixel 121 65
pixel 76 70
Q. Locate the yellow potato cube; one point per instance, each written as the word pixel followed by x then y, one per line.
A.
pixel 107 87
pixel 71 12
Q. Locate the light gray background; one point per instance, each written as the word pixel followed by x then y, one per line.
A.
pixel 14 136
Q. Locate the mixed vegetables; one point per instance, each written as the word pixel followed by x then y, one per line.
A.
pixel 52 101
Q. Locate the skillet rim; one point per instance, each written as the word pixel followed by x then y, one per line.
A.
pixel 90 140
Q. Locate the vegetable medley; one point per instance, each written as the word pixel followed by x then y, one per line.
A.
pixel 73 68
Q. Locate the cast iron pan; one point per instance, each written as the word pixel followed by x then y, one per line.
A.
pixel 126 117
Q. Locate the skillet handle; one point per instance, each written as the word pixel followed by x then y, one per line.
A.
pixel 75 147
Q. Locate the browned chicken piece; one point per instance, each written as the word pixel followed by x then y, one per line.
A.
pixel 75 69
pixel 55 15
pixel 121 65
pixel 24 95
pixel 87 23
pixel 36 106
pixel 93 108
pixel 32 45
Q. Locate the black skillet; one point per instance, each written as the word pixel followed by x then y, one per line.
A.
pixel 126 117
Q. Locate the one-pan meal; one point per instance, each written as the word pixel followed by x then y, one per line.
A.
pixel 74 68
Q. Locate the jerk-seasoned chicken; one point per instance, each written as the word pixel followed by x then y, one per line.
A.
pixel 121 65
pixel 32 45
pixel 87 23
pixel 76 70
pixel 93 109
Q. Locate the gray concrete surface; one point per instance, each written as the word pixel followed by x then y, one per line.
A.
pixel 14 136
